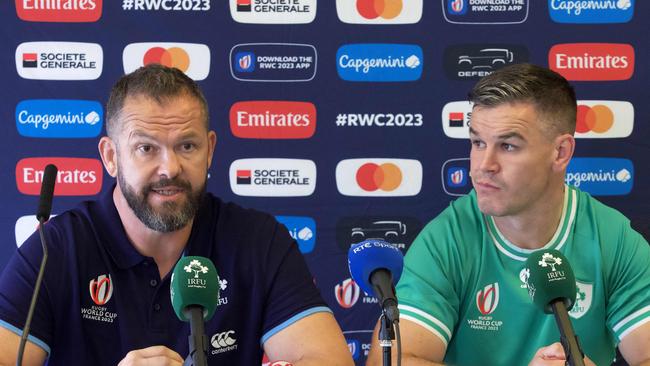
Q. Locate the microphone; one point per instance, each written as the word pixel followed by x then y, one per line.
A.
pixel 552 286
pixel 194 294
pixel 376 266
pixel 47 191
pixel 42 215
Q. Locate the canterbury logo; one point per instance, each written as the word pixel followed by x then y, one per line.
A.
pixel 101 289
pixel 223 339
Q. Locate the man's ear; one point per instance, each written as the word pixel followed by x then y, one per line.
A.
pixel 108 152
pixel 212 142
pixel 564 146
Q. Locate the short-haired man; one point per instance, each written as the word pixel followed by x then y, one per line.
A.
pixel 463 297
pixel 105 295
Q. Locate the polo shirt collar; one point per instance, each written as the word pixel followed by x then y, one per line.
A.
pixel 113 237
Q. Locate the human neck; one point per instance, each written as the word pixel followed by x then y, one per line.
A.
pixel 164 248
pixel 534 228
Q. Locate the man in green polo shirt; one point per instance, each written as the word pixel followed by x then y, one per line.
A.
pixel 463 294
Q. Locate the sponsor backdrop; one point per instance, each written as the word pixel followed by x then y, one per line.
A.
pixel 347 119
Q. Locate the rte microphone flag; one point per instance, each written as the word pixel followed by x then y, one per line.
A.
pixel 376 266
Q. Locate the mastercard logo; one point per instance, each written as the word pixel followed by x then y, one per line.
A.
pixel 386 177
pixel 387 9
pixel 598 118
pixel 191 58
pixel 604 119
pixel 170 57
pixel 379 177
pixel 379 11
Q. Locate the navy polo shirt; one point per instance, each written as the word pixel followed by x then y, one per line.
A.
pixel 101 299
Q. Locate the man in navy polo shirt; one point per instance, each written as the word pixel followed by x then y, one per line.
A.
pixel 105 295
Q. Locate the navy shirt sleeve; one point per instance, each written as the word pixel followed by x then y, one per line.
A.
pixel 17 285
pixel 292 294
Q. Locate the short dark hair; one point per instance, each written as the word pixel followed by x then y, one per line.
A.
pixel 551 94
pixel 154 81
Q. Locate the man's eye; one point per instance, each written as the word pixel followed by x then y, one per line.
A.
pixel 188 146
pixel 478 143
pixel 509 147
pixel 145 148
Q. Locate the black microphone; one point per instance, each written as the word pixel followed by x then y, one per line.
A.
pixel 552 287
pixel 42 215
pixel 47 191
pixel 194 292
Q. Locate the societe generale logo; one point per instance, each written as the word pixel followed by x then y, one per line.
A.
pixel 191 58
pixel 379 11
pixel 592 61
pixel 604 119
pixel 76 176
pixel 272 177
pixel 347 293
pixel 264 119
pixel 59 60
pixel 379 177
pixel 273 12
pixel 74 11
pixel 456 118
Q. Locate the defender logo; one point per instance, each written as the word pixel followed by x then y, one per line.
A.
pixel 463 62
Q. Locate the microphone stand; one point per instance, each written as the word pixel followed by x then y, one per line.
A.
pixel 197 339
pixel 32 305
pixel 386 335
pixel 569 340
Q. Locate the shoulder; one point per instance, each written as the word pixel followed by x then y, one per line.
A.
pixel 461 219
pixel 456 232
pixel 245 226
pixel 241 219
pixel 596 218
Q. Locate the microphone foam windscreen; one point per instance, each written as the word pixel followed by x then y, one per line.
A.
pixel 550 278
pixel 370 255
pixel 194 282
pixel 47 191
